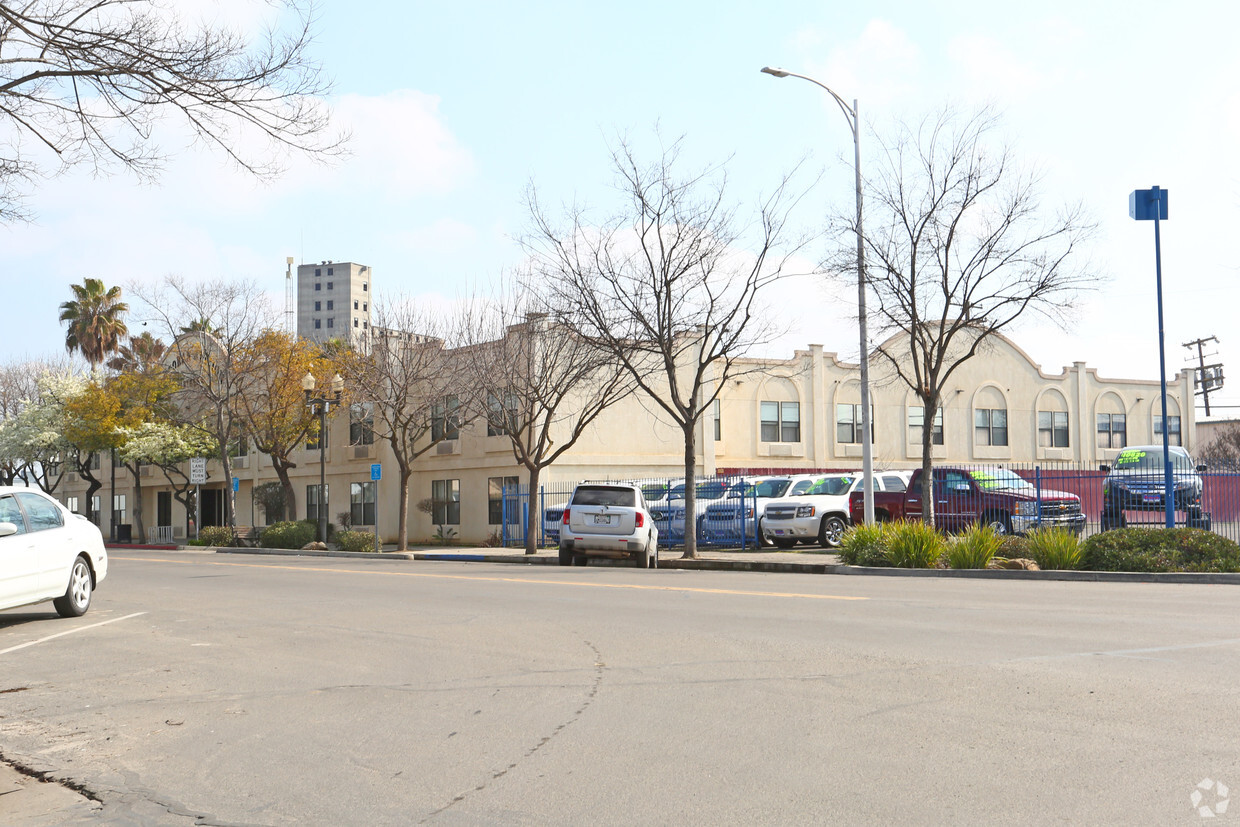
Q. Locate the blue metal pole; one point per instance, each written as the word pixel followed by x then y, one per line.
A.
pixel 1168 485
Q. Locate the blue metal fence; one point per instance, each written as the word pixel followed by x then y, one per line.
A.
pixel 728 507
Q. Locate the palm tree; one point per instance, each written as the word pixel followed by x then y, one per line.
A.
pixel 95 319
pixel 139 356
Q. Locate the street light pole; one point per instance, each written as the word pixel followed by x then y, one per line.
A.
pixel 867 448
pixel 320 405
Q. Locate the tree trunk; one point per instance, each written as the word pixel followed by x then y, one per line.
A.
pixel 533 515
pixel 690 432
pixel 138 526
pixel 290 495
pixel 402 523
pixel 927 472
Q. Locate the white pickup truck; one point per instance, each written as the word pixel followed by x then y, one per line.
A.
pixel 821 513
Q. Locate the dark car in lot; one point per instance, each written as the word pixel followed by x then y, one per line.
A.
pixel 1136 483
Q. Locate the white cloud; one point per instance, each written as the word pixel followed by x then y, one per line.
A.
pixel 879 66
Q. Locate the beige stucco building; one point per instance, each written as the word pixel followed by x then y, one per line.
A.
pixel 796 413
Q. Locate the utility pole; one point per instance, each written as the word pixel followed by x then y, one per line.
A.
pixel 1209 377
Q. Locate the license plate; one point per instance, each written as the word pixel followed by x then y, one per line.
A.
pixel 1153 498
pixel 602 519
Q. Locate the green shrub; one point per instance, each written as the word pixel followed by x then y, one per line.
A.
pixel 914 545
pixel 314 529
pixel 1054 548
pixel 973 549
pixel 1160 549
pixel 355 540
pixel 218 536
pixel 287 535
pixel 1014 546
pixel 865 545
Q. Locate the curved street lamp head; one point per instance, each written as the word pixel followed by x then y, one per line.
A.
pixel 777 72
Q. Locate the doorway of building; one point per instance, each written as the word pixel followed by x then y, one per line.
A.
pixel 212 506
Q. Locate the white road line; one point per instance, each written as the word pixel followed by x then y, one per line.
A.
pixel 71 631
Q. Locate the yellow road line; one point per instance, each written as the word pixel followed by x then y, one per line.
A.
pixel 640 587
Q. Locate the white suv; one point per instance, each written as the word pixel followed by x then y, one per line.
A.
pixel 608 520
pixel 821 513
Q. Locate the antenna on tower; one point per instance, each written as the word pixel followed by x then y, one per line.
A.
pixel 288 296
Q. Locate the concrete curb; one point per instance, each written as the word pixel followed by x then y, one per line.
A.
pixel 773 567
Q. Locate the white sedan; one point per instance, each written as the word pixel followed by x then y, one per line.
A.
pixel 47 553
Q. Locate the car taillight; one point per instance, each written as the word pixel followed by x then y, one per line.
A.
pixel 641 519
pixel 565 520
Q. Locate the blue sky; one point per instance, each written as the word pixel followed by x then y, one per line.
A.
pixel 456 107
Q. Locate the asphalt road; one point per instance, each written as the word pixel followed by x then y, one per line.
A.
pixel 222 689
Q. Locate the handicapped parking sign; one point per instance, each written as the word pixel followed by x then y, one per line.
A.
pixel 376 472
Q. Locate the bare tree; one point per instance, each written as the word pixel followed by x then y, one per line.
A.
pixel 1222 452
pixel 958 248
pixel 670 285
pixel 208 364
pixel 89 80
pixel 405 379
pixel 538 383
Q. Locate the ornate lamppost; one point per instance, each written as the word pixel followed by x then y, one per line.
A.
pixel 320 405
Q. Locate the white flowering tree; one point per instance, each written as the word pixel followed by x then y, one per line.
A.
pixel 168 446
pixel 33 439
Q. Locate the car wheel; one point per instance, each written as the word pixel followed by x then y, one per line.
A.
pixel 999 524
pixel 654 557
pixel 566 557
pixel 762 541
pixel 785 542
pixel 76 599
pixel 831 531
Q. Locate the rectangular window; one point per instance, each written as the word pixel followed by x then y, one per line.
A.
pixel 1173 432
pixel 331 321
pixel 364 309
pixel 848 424
pixel 364 287
pixel 312 501
pixel 496 486
pixel 318 323
pixel 118 509
pixel 330 271
pixel 318 285
pixel 445 419
pixel 1052 429
pixel 362 423
pixel 781 422
pixel 1112 431
pixel 446 502
pixel 71 503
pixel 331 305
pixel 355 304
pixel 318 271
pixel 239 447
pixel 318 306
pixel 503 414
pixel 362 503
pixel 917 418
pixel 312 440
pixel 990 426
pixel 330 285
pixel 355 322
pixel 717 411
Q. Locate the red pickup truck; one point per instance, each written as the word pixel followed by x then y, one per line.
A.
pixel 962 496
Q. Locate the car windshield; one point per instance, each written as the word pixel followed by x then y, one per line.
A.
pixel 832 486
pixel 604 495
pixel 654 490
pixel 1147 461
pixel 766 489
pixel 993 479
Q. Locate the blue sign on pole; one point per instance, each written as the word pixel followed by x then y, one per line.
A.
pixel 376 472
pixel 236 485
pixel 1151 205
